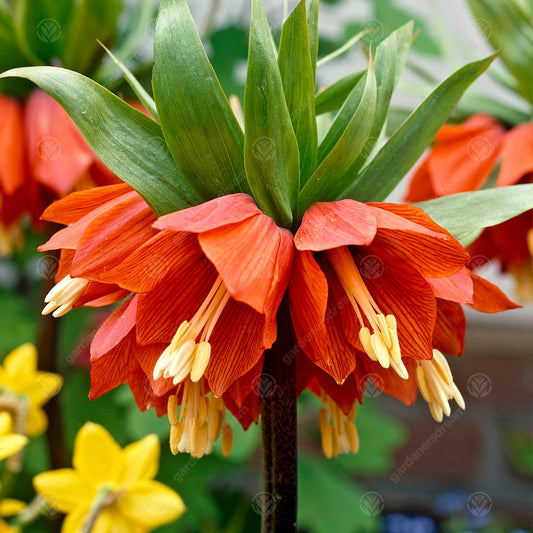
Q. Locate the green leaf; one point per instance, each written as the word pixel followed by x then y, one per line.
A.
pixel 41 27
pixel 325 179
pixel 465 214
pixel 145 99
pixel 343 49
pixel 512 32
pixel 312 25
pixel 297 75
pixel 332 97
pixel 391 56
pixel 410 140
pixel 322 485
pixel 89 21
pixel 270 146
pixel 128 142
pixel 200 128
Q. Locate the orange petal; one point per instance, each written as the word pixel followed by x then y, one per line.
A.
pixel 78 204
pixel 147 357
pixel 308 296
pixel 517 155
pixel 58 155
pixel 237 346
pixel 488 298
pixel 112 237
pixel 253 258
pixel 98 294
pixel 328 225
pixel 116 327
pixel 420 187
pixel 449 332
pixel 12 170
pixel 457 287
pixel 248 412
pixel 247 384
pixel 475 125
pixel 210 215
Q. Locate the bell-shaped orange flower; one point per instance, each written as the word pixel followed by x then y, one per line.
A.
pixel 207 282
pixel 462 159
pixel 46 157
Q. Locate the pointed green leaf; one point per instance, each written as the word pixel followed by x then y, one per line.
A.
pixel 512 32
pixel 200 128
pixel 128 142
pixel 312 25
pixel 325 179
pixel 296 70
pixel 90 20
pixel 391 56
pixel 333 96
pixel 145 99
pixel 270 146
pixel 466 214
pixel 410 140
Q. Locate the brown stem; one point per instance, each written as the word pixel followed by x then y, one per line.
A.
pixel 47 348
pixel 278 415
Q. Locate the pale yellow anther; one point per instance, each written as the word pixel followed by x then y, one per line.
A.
pixel 189 352
pixel 64 295
pixel 199 421
pixel 435 382
pixel 338 431
pixel 201 359
pixel 227 440
pixel 378 332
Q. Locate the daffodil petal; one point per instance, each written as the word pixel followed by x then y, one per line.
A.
pixel 151 504
pixel 44 387
pixel 112 521
pixel 10 507
pixel 11 444
pixel 64 489
pixel 73 522
pixel 21 360
pixel 97 457
pixel 5 423
pixel 37 421
pixel 142 459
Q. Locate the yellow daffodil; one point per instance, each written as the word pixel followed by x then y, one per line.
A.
pixel 19 376
pixel 10 443
pixel 112 485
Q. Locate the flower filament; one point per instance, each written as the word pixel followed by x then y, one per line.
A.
pixel 435 382
pixel 382 345
pixel 339 434
pixel 198 421
pixel 189 352
pixel 64 295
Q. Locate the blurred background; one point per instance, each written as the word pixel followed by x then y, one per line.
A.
pixel 473 472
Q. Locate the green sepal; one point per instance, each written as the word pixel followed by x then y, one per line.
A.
pixel 512 33
pixel 270 147
pixel 324 181
pixel 466 214
pixel 409 141
pixel 296 69
pixel 127 141
pixel 200 128
pixel 90 20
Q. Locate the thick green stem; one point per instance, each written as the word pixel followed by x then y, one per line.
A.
pixel 279 426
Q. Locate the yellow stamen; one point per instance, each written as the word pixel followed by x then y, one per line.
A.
pixel 339 433
pixel 382 344
pixel 189 351
pixel 64 295
pixel 435 382
pixel 198 421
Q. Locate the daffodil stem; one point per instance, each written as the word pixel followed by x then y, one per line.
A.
pixel 47 348
pixel 103 499
pixel 278 418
